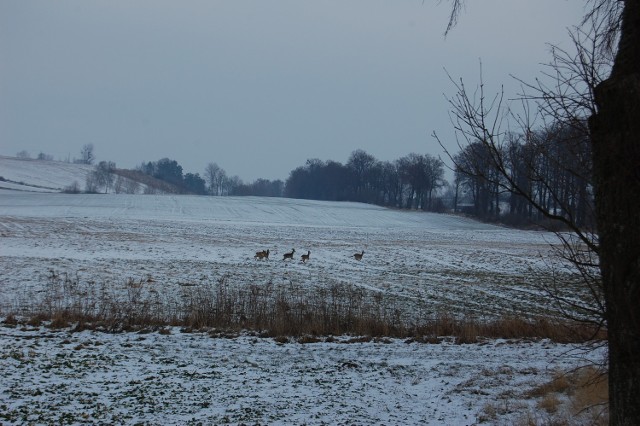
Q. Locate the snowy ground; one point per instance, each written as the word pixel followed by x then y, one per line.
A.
pixel 40 176
pixel 438 262
pixel 193 378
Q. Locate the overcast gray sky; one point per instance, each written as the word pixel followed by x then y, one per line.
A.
pixel 256 86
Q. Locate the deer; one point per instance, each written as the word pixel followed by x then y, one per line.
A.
pixel 358 256
pixel 305 257
pixel 264 254
pixel 289 255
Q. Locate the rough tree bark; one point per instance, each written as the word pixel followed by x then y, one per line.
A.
pixel 615 131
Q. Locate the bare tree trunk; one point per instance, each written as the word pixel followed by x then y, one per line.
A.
pixel 616 157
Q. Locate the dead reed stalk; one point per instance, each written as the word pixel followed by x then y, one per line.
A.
pixel 273 310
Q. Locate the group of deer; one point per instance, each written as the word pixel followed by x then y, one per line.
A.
pixel 264 254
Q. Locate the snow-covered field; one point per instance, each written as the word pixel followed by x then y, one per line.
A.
pixel 442 262
pixel 437 263
pixel 193 378
pixel 39 175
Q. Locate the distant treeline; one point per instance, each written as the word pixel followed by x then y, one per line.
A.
pixel 551 166
pixel 171 172
pixel 410 182
pixel 215 180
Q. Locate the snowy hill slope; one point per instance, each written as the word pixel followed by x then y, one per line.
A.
pixel 445 261
pixel 261 211
pixel 39 175
pixel 29 175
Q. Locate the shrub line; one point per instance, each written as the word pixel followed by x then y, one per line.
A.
pixel 278 311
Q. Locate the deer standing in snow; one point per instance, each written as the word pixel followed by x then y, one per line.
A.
pixel 358 256
pixel 305 257
pixel 289 255
pixel 264 254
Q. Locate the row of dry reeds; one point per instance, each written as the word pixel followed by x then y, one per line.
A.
pixel 273 310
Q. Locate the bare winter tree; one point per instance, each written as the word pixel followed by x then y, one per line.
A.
pixel 131 186
pixel 215 177
pixel 229 184
pixel 118 186
pixel 614 127
pixel 546 171
pixel 86 154
pixel 24 154
pixel 360 164
pixel 44 157
pixel 615 134
pixel 101 178
pixel 422 175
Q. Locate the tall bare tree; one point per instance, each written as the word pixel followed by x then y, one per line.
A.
pixel 215 176
pixel 615 132
pixel 360 164
pixel 86 154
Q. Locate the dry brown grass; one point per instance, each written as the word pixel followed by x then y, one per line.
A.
pixel 272 310
pixel 549 403
pixel 560 383
pixel 591 395
pixel 576 397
